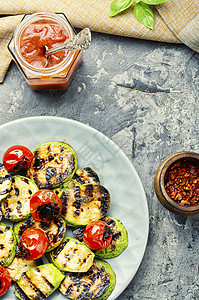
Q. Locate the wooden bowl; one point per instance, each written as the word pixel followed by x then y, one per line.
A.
pixel 159 184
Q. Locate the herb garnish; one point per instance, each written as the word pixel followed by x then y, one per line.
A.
pixel 142 12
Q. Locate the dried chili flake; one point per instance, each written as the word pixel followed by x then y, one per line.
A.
pixel 182 182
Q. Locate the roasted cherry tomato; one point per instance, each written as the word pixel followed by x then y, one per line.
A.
pixel 45 206
pixel 17 157
pixel 5 281
pixel 97 235
pixel 34 243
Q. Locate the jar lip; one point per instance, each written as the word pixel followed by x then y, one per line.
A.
pixel 28 19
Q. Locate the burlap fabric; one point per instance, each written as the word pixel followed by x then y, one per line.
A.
pixel 176 21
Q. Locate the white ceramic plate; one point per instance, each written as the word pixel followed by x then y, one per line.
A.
pixel 116 173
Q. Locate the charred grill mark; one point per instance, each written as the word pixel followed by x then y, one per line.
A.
pixel 78 233
pixel 61 227
pixel 4 178
pixel 38 162
pixel 56 252
pixel 16 191
pixel 11 241
pixel 2 246
pixel 19 206
pixel 92 174
pixel 51 286
pixel 60 157
pixel 37 291
pixel 105 199
pixel 107 232
pixel 5 191
pixel 50 172
pixel 111 223
pixel 45 225
pixel 50 158
pixel 5 203
pixel 25 180
pixel 60 178
pixel 30 192
pixel 64 199
pixel 116 236
pixel 35 178
pixel 83 284
pixel 21 293
pixel 103 289
pixel 55 237
pixel 79 179
pixel 7 213
pixel 28 223
pixel 69 290
pixel 77 193
pixel 89 190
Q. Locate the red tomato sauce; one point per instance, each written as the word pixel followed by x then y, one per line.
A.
pixel 38 35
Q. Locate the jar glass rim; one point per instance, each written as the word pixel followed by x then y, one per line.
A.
pixel 28 19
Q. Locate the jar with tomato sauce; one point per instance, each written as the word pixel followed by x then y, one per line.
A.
pixel 27 48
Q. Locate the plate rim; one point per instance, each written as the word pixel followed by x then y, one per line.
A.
pixel 92 129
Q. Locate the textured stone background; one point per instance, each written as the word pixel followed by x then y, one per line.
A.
pixel 111 93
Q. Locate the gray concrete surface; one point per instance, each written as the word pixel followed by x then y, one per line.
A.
pixel 111 93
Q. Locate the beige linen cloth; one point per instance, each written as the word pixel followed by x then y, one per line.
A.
pixel 176 21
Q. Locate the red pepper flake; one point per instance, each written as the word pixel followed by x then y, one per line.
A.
pixel 182 182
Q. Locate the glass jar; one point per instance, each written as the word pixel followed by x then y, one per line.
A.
pixel 55 76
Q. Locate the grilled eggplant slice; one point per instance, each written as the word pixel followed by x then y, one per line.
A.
pixel 97 283
pixel 119 240
pixel 53 163
pixel 85 203
pixel 55 230
pixel 5 182
pixel 16 206
pixel 38 283
pixel 20 265
pixel 71 256
pixel 7 245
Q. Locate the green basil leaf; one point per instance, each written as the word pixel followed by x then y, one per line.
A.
pixel 153 2
pixel 144 14
pixel 119 5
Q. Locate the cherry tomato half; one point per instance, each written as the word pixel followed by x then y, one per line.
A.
pixel 35 242
pixel 97 235
pixel 45 206
pixel 17 157
pixel 5 281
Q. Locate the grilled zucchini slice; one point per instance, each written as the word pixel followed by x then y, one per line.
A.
pixel 81 176
pixel 55 230
pixel 38 283
pixel 86 176
pixel 71 256
pixel 7 245
pixel 53 163
pixel 16 206
pixel 5 182
pixel 85 203
pixel 119 240
pixel 20 265
pixel 97 283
